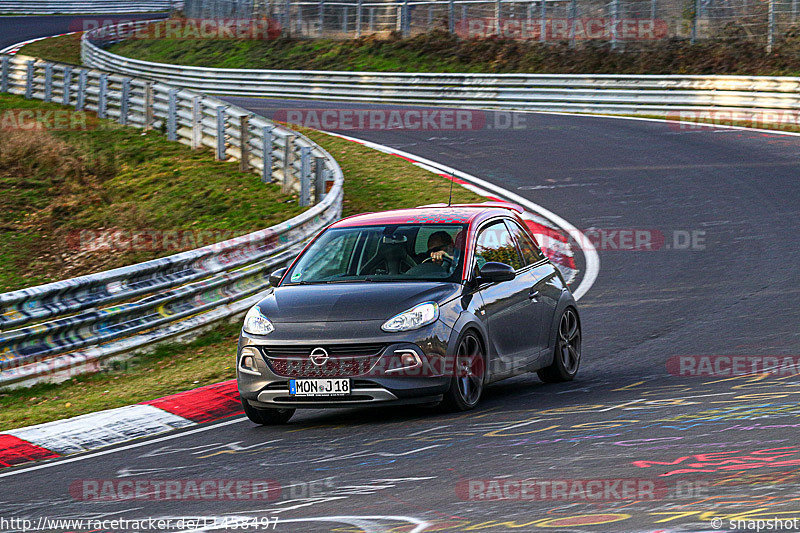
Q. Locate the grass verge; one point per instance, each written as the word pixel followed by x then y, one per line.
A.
pixel 80 176
pixel 64 49
pixel 439 51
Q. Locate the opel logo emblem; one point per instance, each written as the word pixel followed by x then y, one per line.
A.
pixel 319 356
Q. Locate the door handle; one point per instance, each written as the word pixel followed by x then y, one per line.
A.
pixel 533 294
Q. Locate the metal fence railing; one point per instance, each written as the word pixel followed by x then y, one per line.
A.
pixel 46 7
pixel 616 21
pixel 589 93
pixel 68 326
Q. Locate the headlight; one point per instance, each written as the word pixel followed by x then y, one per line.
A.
pixel 257 324
pixel 416 317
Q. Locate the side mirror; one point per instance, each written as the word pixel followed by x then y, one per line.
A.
pixel 277 276
pixel 493 272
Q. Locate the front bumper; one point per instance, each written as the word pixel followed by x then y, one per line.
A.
pixel 381 380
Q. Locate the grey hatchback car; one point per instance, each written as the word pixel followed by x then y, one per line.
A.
pixel 423 305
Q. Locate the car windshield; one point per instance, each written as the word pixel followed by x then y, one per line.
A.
pixel 397 252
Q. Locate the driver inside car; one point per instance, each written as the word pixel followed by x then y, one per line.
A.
pixel 440 246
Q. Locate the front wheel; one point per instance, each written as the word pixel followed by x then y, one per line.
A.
pixel 266 417
pixel 469 375
pixel 567 356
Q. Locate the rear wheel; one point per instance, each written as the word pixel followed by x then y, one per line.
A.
pixel 266 417
pixel 469 375
pixel 567 356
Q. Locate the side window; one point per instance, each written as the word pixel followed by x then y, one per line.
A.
pixel 495 244
pixel 530 252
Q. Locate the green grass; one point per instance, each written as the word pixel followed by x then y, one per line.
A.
pixel 64 49
pixel 438 51
pixel 58 182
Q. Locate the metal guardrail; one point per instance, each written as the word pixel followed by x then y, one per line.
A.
pixel 582 93
pixel 47 7
pixel 64 327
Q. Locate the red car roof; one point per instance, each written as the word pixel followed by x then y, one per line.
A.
pixel 430 214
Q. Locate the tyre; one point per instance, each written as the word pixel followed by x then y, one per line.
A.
pixel 266 417
pixel 567 354
pixel 469 375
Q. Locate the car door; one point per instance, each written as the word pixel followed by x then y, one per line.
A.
pixel 543 286
pixel 508 310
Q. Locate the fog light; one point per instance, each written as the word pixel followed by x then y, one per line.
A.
pixel 247 363
pixel 409 359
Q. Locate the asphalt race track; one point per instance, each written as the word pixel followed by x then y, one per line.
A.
pixel 20 28
pixel 630 445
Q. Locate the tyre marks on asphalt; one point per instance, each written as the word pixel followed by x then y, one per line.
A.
pixel 708 444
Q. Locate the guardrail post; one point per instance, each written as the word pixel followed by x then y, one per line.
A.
pixel 615 22
pixel 48 82
pixel 220 133
pixel 573 14
pixel 694 20
pixel 359 8
pixel 266 154
pixel 80 100
pixel 771 26
pixel 497 14
pixel 244 143
pixel 406 19
pixel 288 160
pixel 102 96
pixel 319 179
pixel 529 15
pixel 372 20
pixel 305 176
pixel 4 65
pixel 299 22
pixel 172 115
pixel 124 102
pixel 321 16
pixel 66 93
pixel 29 73
pixel 653 10
pixel 197 122
pixel 451 16
pixel 148 106
pixel 287 21
pixel 543 21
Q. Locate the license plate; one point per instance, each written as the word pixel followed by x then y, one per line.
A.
pixel 319 387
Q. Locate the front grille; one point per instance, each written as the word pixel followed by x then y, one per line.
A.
pixel 338 350
pixel 345 360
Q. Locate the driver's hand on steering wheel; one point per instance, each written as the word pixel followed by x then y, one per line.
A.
pixel 440 255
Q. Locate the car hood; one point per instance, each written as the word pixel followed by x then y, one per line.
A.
pixel 340 302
